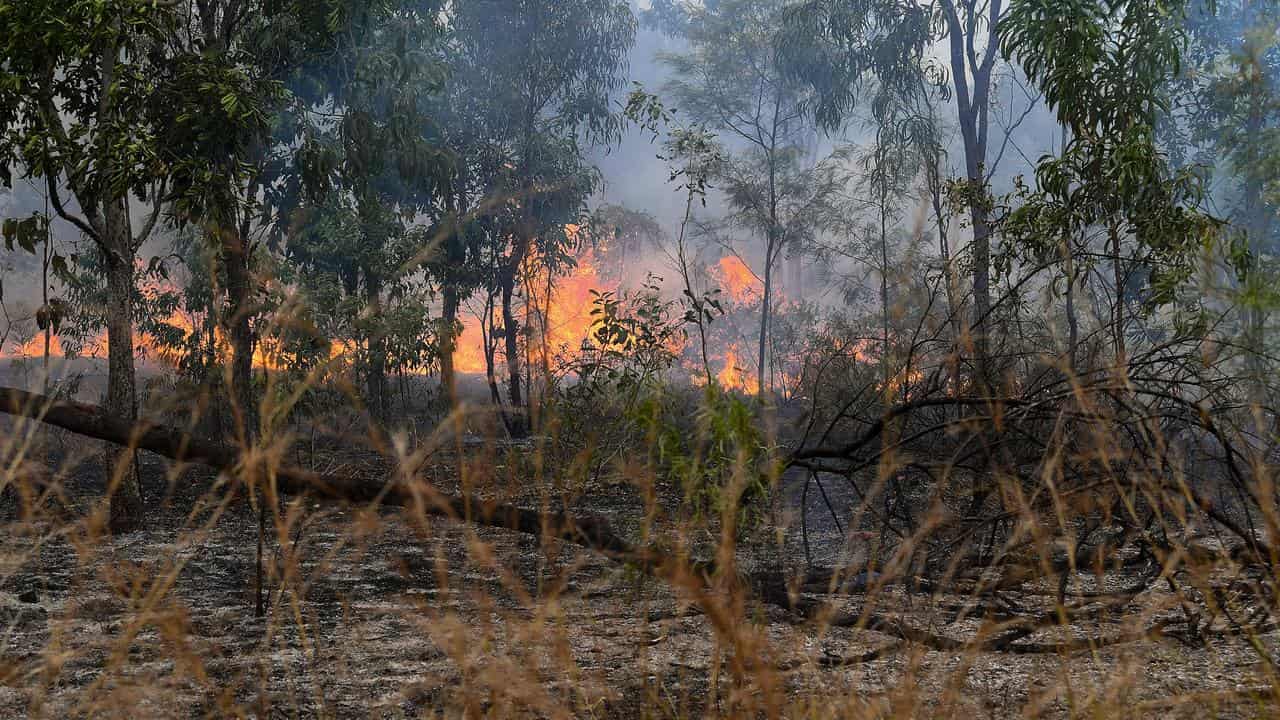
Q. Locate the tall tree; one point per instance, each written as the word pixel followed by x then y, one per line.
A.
pixel 75 88
pixel 1231 120
pixel 1103 69
pixel 235 90
pixel 729 81
pixel 375 145
pixel 543 73
pixel 838 45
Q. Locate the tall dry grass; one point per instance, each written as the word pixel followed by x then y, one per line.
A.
pixel 1093 543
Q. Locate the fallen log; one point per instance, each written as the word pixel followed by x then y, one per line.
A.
pixel 94 422
pixel 592 533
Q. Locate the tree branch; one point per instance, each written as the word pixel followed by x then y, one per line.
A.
pixel 589 532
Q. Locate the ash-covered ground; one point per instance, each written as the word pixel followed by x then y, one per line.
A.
pixel 375 613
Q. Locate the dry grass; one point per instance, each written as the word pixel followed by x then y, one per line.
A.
pixel 1101 573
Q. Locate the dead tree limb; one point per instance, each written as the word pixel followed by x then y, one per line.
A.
pixel 592 533
pixel 94 422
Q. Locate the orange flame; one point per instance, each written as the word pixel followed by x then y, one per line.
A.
pixel 35 347
pixel 567 304
pixel 734 377
pixel 737 280
pixel 566 300
pixel 569 321
pixel 468 356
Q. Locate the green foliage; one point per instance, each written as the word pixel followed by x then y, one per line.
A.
pixel 692 152
pixel 56 117
pixel 634 340
pixel 1231 125
pixel 1100 65
pixel 728 80
pixel 555 64
pixel 841 48
pixel 721 460
pixel 26 232
pixel 620 399
pixel 1102 69
pixel 215 111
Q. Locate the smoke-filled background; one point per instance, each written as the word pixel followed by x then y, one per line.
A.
pixel 604 358
pixel 635 176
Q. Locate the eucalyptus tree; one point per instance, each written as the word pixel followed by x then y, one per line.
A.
pixel 233 114
pixel 905 140
pixel 1103 68
pixel 541 75
pixel 373 148
pixel 837 46
pixel 76 85
pixel 236 92
pixel 730 82
pixel 1230 115
pixel 453 243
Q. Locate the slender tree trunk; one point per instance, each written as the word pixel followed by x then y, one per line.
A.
pixel 1073 322
pixel 235 258
pixel 456 204
pixel 1117 270
pixel 771 251
pixel 125 496
pixel 884 275
pixel 981 296
pixel 697 302
pixel 935 185
pixel 511 337
pixel 448 344
pixel 490 349
pixel 766 308
pixel 972 113
pixel 244 407
pixel 1259 228
pixel 1257 330
pixel 44 299
pixel 527 326
pixel 377 379
pixel 1069 270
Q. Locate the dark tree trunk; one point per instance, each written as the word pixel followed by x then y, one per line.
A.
pixel 773 241
pixel 885 359
pixel 235 258
pixel 1069 270
pixel 490 349
pixel 125 496
pixel 1258 217
pixel 973 115
pixel 377 373
pixel 1073 323
pixel 981 296
pixel 511 338
pixel 765 309
pixel 1117 272
pixel 456 251
pixel 448 345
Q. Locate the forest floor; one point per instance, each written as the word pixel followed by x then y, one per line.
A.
pixel 387 618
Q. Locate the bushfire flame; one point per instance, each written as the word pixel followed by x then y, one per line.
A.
pixel 556 310
pixel 565 300
pixel 735 377
pixel 737 280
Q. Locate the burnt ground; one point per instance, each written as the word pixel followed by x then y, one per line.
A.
pixel 383 616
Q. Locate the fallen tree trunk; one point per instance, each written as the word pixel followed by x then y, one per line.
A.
pixel 93 421
pixel 593 533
